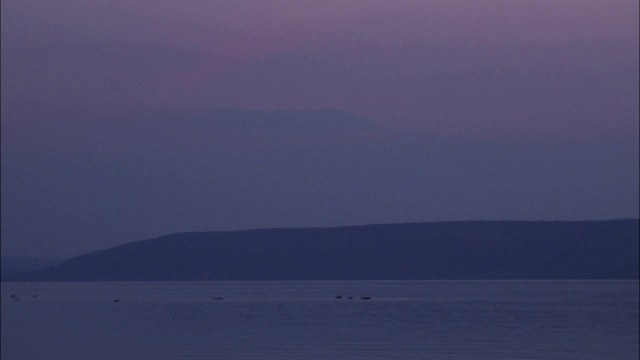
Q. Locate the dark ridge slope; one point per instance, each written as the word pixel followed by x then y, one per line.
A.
pixel 441 250
pixel 11 265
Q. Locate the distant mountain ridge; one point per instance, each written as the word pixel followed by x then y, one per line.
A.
pixel 16 264
pixel 418 251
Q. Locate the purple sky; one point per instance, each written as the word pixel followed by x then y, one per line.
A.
pixel 124 120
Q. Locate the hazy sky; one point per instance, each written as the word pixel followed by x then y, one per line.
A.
pixel 124 120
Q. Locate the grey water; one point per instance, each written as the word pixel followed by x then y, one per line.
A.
pixel 318 320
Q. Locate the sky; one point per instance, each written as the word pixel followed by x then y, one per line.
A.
pixel 126 120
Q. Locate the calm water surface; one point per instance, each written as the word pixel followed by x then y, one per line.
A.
pixel 306 320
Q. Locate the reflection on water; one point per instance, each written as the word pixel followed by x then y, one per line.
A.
pixel 306 320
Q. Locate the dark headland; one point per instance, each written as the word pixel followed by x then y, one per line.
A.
pixel 419 251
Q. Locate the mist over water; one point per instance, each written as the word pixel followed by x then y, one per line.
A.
pixel 306 320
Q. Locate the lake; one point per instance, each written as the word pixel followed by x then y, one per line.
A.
pixel 317 320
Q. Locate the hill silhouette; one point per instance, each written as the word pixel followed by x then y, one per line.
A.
pixel 14 264
pixel 418 251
